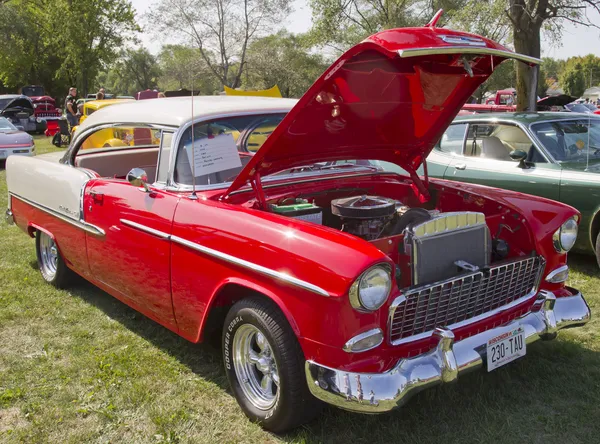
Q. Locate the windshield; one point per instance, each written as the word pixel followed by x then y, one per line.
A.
pixel 4 102
pixel 577 108
pixel 591 106
pixel 33 91
pixel 5 125
pixel 570 140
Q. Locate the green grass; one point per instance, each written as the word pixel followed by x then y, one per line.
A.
pixel 79 366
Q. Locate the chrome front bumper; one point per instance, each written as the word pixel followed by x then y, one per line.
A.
pixel 381 392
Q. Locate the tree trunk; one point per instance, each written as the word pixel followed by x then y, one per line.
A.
pixel 527 41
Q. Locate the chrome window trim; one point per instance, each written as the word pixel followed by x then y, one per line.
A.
pixel 350 343
pixel 171 184
pixel 228 258
pixel 160 154
pixel 81 224
pixel 73 148
pixel 459 49
pixel 437 147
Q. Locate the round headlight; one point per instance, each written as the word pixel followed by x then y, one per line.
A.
pixel 371 289
pixel 564 238
pixel 38 120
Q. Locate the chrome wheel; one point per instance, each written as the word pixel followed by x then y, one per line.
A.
pixel 255 366
pixel 48 256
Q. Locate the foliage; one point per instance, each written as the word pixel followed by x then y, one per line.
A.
pixel 280 60
pixel 529 17
pixel 221 30
pixel 135 70
pixel 340 24
pixel 482 17
pixel 572 80
pixel 180 65
pixel 61 43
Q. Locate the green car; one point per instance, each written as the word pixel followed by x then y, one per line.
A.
pixel 554 155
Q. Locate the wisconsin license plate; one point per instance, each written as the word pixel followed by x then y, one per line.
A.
pixel 505 348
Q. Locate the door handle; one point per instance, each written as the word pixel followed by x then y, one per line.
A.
pixel 97 198
pixel 460 166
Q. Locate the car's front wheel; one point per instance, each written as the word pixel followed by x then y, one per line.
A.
pixel 50 262
pixel 265 366
pixel 597 249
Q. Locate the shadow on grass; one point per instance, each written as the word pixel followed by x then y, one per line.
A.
pixel 552 393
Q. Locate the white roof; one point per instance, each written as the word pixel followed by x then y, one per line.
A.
pixel 176 111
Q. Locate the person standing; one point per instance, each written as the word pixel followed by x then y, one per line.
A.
pixel 71 107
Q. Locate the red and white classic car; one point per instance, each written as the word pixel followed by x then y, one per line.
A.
pixel 326 277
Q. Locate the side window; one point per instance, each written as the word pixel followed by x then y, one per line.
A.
pixel 258 135
pixel 164 156
pixel 452 140
pixel 497 141
pixel 114 151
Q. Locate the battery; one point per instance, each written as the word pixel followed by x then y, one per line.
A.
pixel 302 209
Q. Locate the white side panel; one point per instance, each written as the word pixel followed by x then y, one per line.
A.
pixel 52 185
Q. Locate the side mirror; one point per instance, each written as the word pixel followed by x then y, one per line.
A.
pixel 138 178
pixel 519 156
pixel 20 128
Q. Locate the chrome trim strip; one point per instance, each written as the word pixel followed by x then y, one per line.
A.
pixel 81 224
pixel 228 258
pixel 444 363
pixel 459 49
pixel 251 266
pixel 144 228
pixel 559 270
pixel 402 298
pixel 375 331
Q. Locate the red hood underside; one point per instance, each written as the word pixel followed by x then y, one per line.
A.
pixel 388 98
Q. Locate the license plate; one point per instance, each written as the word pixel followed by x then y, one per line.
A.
pixel 505 348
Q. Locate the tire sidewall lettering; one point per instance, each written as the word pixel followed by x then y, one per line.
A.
pixel 229 333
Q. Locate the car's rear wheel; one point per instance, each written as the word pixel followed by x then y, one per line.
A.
pixel 265 366
pixel 50 262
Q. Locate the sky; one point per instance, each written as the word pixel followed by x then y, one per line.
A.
pixel 576 40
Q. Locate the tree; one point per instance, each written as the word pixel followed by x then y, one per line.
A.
pixel 572 80
pixel 280 59
pixel 135 70
pixel 529 17
pixel 184 68
pixel 89 34
pixel 221 30
pixel 340 24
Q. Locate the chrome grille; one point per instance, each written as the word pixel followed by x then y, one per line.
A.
pixel 420 310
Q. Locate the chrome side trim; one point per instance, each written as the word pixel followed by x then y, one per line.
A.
pixel 81 224
pixel 228 258
pixel 144 228
pixel 251 266
pixel 444 363
pixel 459 49
pixel 557 271
pixel 375 331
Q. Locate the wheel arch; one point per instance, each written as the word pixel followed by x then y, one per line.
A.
pixel 594 227
pixel 231 291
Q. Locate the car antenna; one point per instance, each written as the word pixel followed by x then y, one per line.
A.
pixel 193 195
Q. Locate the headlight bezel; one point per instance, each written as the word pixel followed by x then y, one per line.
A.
pixel 560 240
pixel 354 294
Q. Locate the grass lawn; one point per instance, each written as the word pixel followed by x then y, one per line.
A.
pixel 79 366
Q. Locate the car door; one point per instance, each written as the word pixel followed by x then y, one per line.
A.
pixel 486 160
pixel 133 257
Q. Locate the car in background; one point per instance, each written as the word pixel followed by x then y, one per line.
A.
pixel 584 108
pixel 549 154
pixel 44 105
pixel 13 140
pixel 341 283
pixel 20 111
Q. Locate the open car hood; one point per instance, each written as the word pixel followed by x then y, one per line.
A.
pixel 19 104
pixel 388 98
pixel 560 100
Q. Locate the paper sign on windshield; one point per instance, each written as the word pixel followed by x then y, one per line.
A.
pixel 213 155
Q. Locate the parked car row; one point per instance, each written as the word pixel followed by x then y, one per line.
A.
pixel 271 224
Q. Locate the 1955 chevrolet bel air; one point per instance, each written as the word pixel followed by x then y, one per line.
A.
pixel 327 278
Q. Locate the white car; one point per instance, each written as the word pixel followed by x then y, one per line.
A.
pixel 14 140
